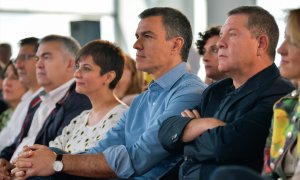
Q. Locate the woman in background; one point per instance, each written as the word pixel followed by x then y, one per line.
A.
pixel 208 50
pixel 284 150
pixel 13 91
pixel 132 82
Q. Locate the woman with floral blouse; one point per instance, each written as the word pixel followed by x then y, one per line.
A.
pixel 284 150
pixel 99 67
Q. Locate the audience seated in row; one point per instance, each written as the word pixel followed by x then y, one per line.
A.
pixel 228 126
pixel 131 149
pixel 56 105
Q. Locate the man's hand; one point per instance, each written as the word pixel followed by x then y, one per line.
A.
pixel 190 113
pixel 197 127
pixel 17 174
pixel 35 161
pixel 5 167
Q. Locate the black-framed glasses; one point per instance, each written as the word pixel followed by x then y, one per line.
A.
pixel 26 57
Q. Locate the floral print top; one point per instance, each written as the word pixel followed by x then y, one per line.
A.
pixel 281 147
pixel 78 136
pixel 5 117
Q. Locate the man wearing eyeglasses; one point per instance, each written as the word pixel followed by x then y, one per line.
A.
pixel 56 104
pixel 25 64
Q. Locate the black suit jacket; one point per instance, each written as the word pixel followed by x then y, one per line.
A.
pixel 70 106
pixel 247 112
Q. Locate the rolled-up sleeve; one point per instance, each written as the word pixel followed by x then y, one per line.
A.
pixel 119 160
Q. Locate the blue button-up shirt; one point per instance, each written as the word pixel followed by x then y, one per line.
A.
pixel 132 148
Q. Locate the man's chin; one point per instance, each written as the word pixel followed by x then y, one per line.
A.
pixel 222 69
pixel 140 68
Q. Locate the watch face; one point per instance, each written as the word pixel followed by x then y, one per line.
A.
pixel 58 166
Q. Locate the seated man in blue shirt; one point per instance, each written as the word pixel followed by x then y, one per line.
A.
pixel 231 123
pixel 132 148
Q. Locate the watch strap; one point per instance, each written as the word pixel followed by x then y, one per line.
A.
pixel 58 157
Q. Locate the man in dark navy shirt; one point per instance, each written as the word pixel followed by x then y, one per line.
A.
pixel 232 121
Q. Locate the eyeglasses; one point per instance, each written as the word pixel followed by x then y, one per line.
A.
pixel 26 57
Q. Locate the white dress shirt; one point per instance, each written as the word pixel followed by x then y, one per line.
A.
pixel 14 125
pixel 48 102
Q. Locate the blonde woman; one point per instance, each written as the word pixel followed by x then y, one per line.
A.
pixel 132 82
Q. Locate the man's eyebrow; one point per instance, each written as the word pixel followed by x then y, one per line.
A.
pixel 228 30
pixel 144 32
pixel 232 29
pixel 45 54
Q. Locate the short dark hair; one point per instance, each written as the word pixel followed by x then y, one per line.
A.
pixel 260 21
pixel 6 51
pixel 107 56
pixel 9 63
pixel 204 36
pixel 30 41
pixel 69 43
pixel 175 23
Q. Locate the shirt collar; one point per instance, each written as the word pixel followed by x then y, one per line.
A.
pixel 56 92
pixel 169 79
pixel 259 79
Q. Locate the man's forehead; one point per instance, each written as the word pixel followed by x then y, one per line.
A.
pixel 234 22
pixel 149 24
pixel 50 45
pixel 236 19
pixel 27 48
pixel 148 21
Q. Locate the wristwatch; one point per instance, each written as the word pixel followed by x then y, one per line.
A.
pixel 58 164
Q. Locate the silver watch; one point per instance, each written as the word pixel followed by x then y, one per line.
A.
pixel 58 164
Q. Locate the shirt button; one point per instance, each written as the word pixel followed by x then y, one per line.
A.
pixel 174 137
pixel 294 93
pixel 294 118
pixel 289 134
pixel 272 165
pixel 280 150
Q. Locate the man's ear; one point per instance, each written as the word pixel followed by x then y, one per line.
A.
pixel 263 44
pixel 177 45
pixel 71 64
